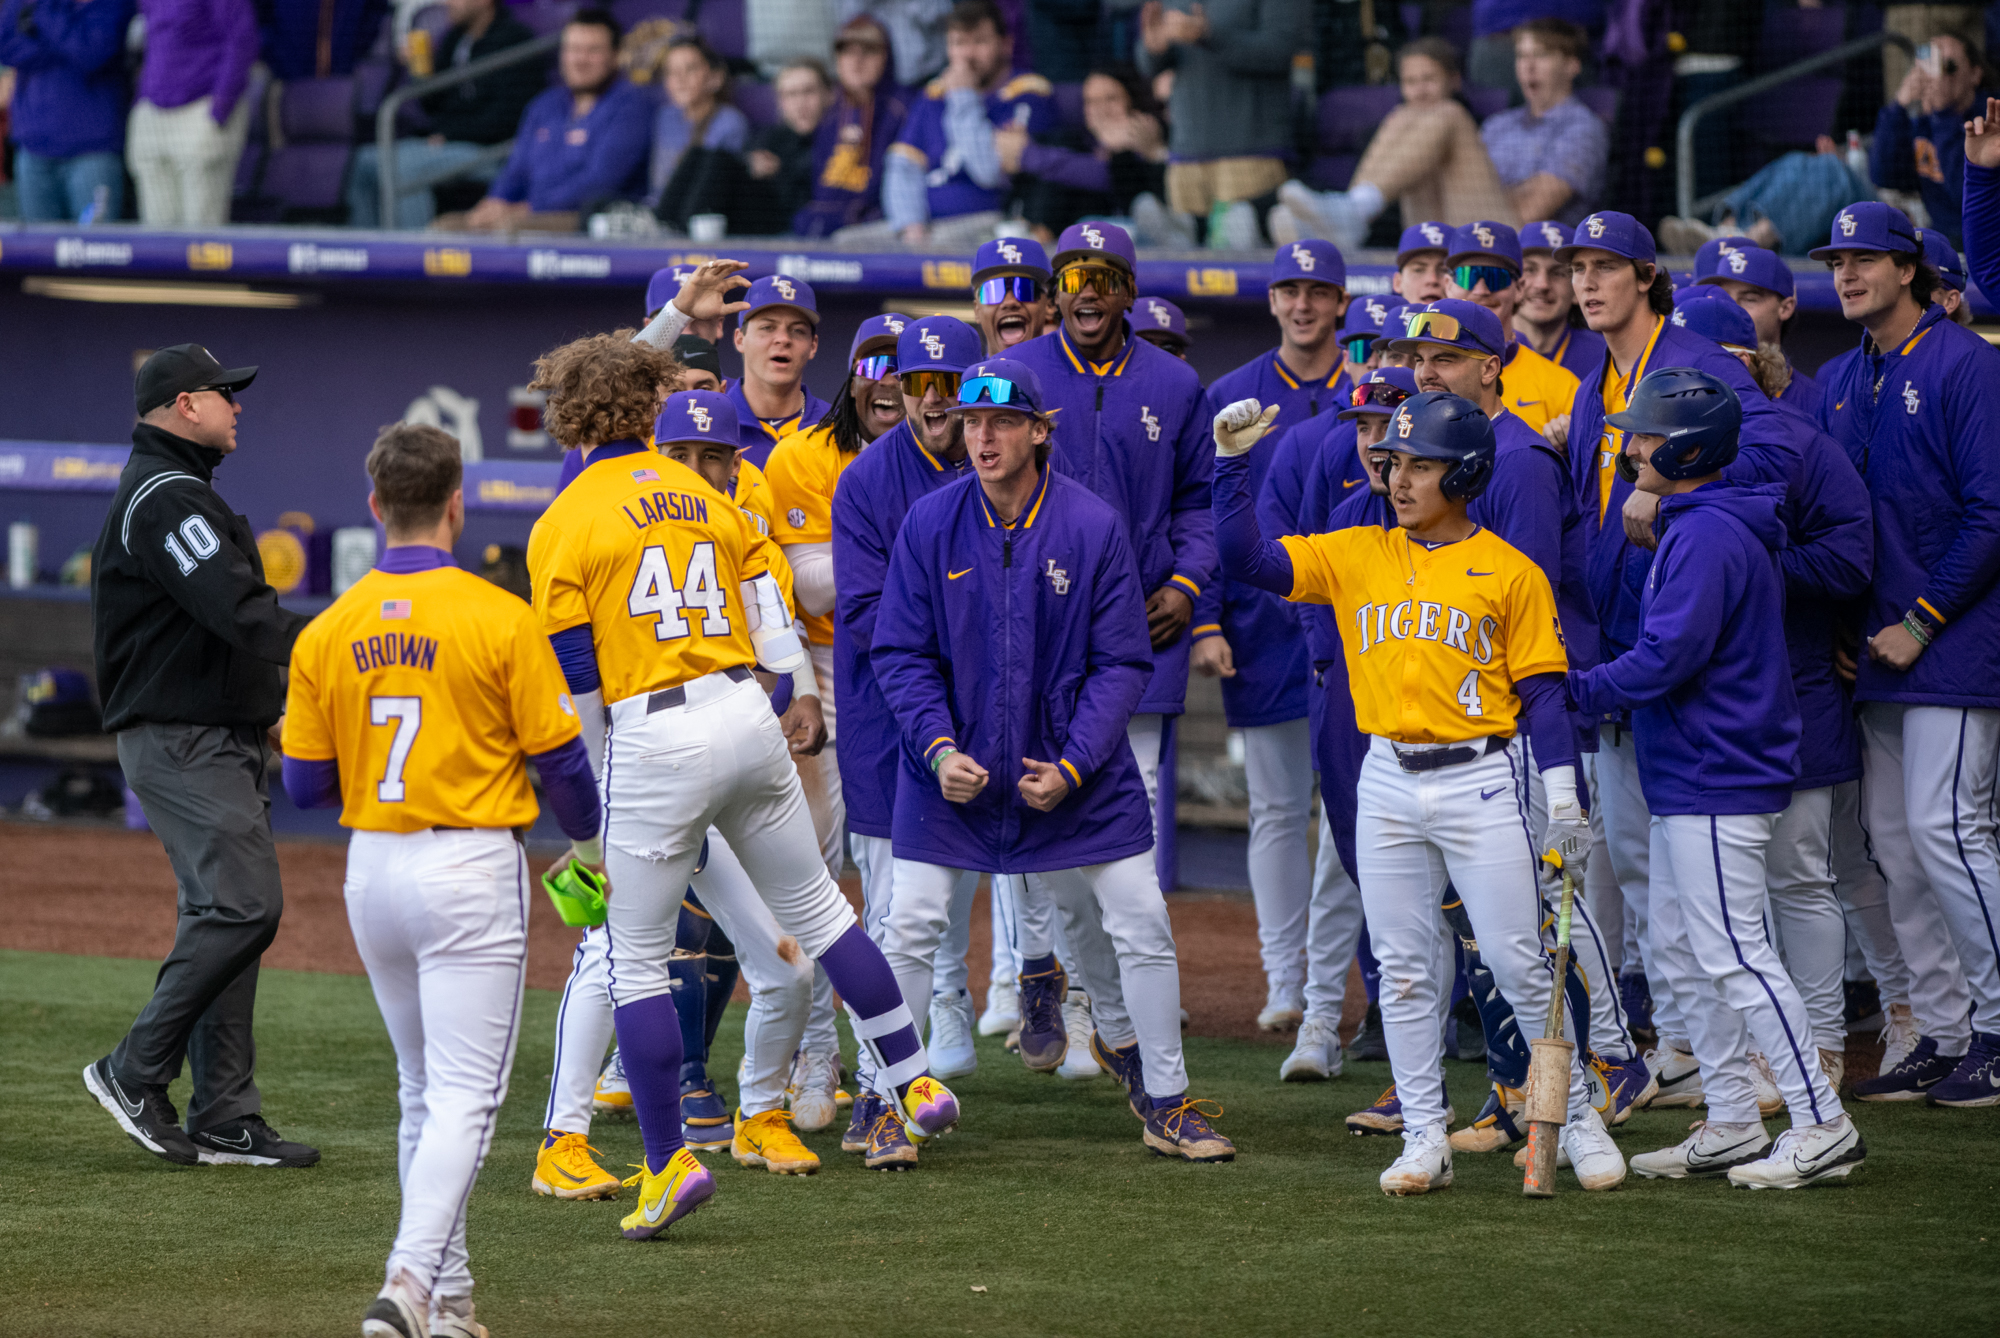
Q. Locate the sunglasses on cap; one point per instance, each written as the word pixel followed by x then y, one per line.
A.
pixel 875 366
pixel 992 390
pixel 918 383
pixel 1357 349
pixel 1438 325
pixel 1377 394
pixel 1106 279
pixel 992 292
pixel 1496 277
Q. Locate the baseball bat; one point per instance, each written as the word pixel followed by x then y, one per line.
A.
pixel 1547 1101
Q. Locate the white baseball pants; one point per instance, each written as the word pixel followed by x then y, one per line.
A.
pixel 1467 824
pixel 1864 898
pixel 1036 929
pixel 876 861
pixel 1806 925
pixel 441 921
pixel 1928 803
pixel 1600 882
pixel 1710 934
pixel 1277 766
pixel 1609 1035
pixel 1333 929
pixel 1628 840
pixel 819 777
pixel 780 993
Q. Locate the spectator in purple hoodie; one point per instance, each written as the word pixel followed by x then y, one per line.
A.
pixel 187 128
pixel 854 135
pixel 69 106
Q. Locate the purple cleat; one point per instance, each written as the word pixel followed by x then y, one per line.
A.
pixel 1044 1042
pixel 1125 1065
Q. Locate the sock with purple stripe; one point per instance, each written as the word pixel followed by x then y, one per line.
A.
pixel 649 1041
pixel 861 973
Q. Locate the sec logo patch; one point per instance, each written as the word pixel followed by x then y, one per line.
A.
pixel 795 518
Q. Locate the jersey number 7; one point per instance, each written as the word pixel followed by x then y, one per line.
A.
pixel 408 715
pixel 654 591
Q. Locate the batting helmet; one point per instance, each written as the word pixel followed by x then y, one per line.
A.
pixel 1441 426
pixel 1698 414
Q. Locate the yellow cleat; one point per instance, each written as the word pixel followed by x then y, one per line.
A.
pixel 613 1095
pixel 766 1139
pixel 929 1109
pixel 566 1169
pixel 667 1197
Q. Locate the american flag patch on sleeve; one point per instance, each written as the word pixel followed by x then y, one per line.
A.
pixel 645 476
pixel 395 608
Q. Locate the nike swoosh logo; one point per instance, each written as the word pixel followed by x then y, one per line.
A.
pixel 243 1146
pixel 133 1108
pixel 1349 483
pixel 1488 794
pixel 1724 1154
pixel 653 1212
pixel 1839 405
pixel 954 575
pixel 1524 404
pixel 1470 572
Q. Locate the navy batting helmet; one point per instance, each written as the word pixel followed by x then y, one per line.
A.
pixel 1698 414
pixel 1441 426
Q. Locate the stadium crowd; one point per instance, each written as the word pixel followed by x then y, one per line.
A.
pixel 1229 123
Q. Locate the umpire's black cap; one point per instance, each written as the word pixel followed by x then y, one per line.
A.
pixel 183 368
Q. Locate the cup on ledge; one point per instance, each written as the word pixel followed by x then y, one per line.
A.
pixel 707 227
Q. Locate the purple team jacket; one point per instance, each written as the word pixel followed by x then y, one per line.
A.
pixel 1015 642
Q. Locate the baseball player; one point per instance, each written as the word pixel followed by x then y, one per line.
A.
pixel 777 332
pixel 1547 318
pixel 1163 325
pixel 1459 663
pixel 1761 283
pixel 1710 688
pixel 670 284
pixel 1011 635
pixel 1912 408
pixel 1010 290
pixel 1626 297
pixel 1421 271
pixel 415 700
pixel 1486 264
pixel 1943 257
pixel 648 586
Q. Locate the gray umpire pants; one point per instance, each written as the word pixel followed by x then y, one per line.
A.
pixel 205 791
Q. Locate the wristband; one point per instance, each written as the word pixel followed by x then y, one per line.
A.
pixel 937 758
pixel 1916 629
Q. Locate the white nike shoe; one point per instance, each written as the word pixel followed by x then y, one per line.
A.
pixel 1803 1154
pixel 1592 1155
pixel 1710 1150
pixel 1078 1063
pixel 950 1046
pixel 1833 1063
pixel 1424 1166
pixel 1769 1099
pixel 451 1317
pixel 399 1310
pixel 815 1078
pixel 1284 1006
pixel 1899 1036
pixel 1003 1006
pixel 1316 1055
pixel 1678 1075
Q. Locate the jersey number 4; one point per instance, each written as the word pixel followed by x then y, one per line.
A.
pixel 407 714
pixel 1468 694
pixel 654 591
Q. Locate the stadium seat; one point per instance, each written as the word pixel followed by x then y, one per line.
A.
pixel 545 16
pixel 307 166
pixel 1602 100
pixel 1347 117
pixel 757 101
pixel 1792 35
pixel 1485 102
pixel 722 22
pixel 632 12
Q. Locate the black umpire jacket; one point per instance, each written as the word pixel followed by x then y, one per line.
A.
pixel 186 629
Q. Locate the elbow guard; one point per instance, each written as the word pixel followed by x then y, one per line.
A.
pixel 771 632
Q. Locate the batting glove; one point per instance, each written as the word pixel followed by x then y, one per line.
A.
pixel 1567 834
pixel 1240 425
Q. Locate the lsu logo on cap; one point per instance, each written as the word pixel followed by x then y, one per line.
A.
pixel 1375 311
pixel 1009 252
pixel 702 417
pixel 1151 423
pixel 1483 235
pixel 1737 260
pixel 933 346
pixel 1161 316
pixel 1432 233
pixel 1680 318
pixel 1594 226
pixel 1093 237
pixel 1847 224
pixel 1910 401
pixel 1552 234
pixel 786 288
pixel 1302 257
pixel 895 323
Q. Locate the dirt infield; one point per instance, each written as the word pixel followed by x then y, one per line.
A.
pixel 110 893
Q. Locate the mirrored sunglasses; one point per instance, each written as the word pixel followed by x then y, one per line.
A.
pixel 917 384
pixel 1379 394
pixel 993 390
pixel 1497 278
pixel 1357 349
pixel 875 367
pixel 1106 279
pixel 1438 324
pixel 993 292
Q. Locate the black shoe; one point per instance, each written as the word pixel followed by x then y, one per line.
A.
pixel 144 1113
pixel 1369 1043
pixel 1863 1007
pixel 250 1142
pixel 1471 1037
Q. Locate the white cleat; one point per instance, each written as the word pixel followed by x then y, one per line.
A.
pixel 1769 1099
pixel 1678 1076
pixel 400 1310
pixel 1833 1063
pixel 1586 1144
pixel 1711 1149
pixel 613 1094
pixel 815 1080
pixel 1899 1036
pixel 1003 1007
pixel 1803 1154
pixel 1284 1006
pixel 1078 1063
pixel 1424 1166
pixel 1316 1055
pixel 950 1046
pixel 452 1318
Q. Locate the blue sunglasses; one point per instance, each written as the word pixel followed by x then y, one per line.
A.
pixel 993 390
pixel 1495 277
pixel 875 367
pixel 992 292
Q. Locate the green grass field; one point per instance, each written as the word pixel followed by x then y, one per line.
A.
pixel 1045 1199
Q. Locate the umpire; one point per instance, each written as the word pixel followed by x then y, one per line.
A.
pixel 190 642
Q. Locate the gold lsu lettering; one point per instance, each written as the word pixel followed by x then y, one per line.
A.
pixel 1426 620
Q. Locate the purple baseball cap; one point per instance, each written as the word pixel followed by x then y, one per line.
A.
pixel 1544 235
pixel 1748 263
pixel 1158 314
pixel 665 286
pixel 1607 230
pixel 780 290
pixel 1943 257
pixel 1368 317
pixel 1709 313
pixel 1710 255
pixel 938 344
pixel 1870 226
pixel 1485 242
pixel 1402 378
pixel 876 330
pixel 1018 388
pixel 1420 238
pixel 1096 241
pixel 1313 260
pixel 1010 255
pixel 696 415
pixel 1478 329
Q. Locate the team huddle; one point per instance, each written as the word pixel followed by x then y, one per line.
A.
pixel 1545 577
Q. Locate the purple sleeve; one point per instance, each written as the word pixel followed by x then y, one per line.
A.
pixel 1118 665
pixel 1831 552
pixel 1546 712
pixel 576 652
pixel 618 149
pixel 1890 160
pixel 512 183
pixel 860 567
pixel 1246 555
pixel 1982 229
pixel 1967 569
pixel 1524 506
pixel 312 783
pixel 571 789
pixel 1066 167
pixel 1190 528
pixel 906 654
pixel 237 23
pixel 1682 625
